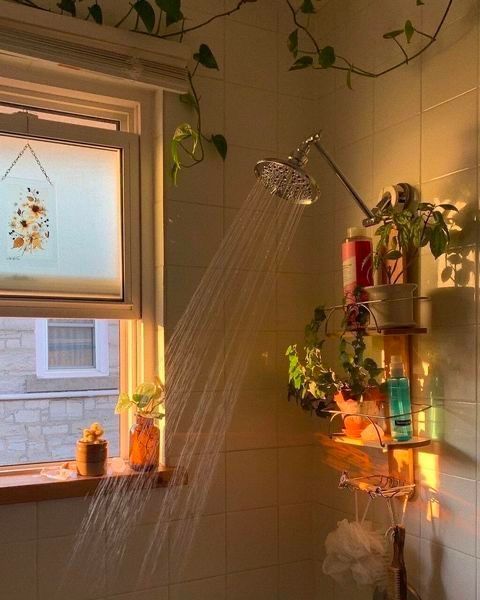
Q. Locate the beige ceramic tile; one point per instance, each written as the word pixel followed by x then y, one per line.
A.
pixel 18 570
pixel 356 160
pixel 127 574
pixel 448 510
pixel 78 577
pixel 456 577
pixel 449 137
pixel 397 96
pixel 61 517
pixel 295 467
pixel 354 113
pixel 251 479
pixel 251 56
pixel 205 539
pixel 201 225
pixel 203 589
pixel 453 58
pixel 239 175
pixel 160 593
pixel 295 532
pixel 254 421
pixel 18 522
pixel 258 14
pixel 261 584
pixel 251 118
pixel 296 580
pixel 397 155
pixel 447 355
pixel 252 539
pixel 205 492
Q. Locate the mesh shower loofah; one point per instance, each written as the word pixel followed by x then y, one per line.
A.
pixel 356 551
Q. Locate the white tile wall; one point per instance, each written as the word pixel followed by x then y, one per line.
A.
pixel 422 123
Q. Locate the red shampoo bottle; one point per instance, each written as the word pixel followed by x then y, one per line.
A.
pixel 356 261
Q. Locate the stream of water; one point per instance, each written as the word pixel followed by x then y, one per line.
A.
pixel 207 357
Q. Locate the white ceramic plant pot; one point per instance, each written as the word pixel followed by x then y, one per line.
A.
pixel 392 305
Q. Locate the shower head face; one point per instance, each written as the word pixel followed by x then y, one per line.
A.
pixel 288 180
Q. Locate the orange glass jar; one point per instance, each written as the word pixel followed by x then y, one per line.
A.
pixel 144 444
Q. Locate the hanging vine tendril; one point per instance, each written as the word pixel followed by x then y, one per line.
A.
pixel 164 19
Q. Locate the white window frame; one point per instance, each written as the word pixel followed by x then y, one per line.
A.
pixel 33 304
pixel 139 109
pixel 102 357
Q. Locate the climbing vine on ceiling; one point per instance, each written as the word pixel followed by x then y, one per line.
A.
pixel 165 19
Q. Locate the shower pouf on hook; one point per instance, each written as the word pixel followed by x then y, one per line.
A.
pixel 355 550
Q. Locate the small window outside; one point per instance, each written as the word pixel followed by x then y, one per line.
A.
pixel 72 348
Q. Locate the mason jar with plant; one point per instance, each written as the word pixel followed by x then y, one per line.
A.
pixel 317 387
pixel 148 404
pixel 401 236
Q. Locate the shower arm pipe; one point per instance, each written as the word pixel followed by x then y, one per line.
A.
pixel 338 172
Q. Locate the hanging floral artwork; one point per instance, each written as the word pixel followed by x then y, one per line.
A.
pixel 30 224
pixel 28 229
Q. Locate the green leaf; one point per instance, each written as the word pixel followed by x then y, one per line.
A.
pixel 307 7
pixel 409 30
pixel 438 241
pixel 292 42
pixel 302 63
pixel 220 144
pixel 146 13
pixel 448 207
pixel 393 34
pixel 326 57
pixel 68 6
pixel 96 13
pixel 393 255
pixel 205 57
pixel 172 10
pixel 422 206
pixel 189 100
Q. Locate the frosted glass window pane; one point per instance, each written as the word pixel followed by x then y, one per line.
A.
pixel 72 345
pixel 76 250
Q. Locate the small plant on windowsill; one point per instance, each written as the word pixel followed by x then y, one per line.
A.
pixel 402 235
pixel 91 452
pixel 317 387
pixel 148 402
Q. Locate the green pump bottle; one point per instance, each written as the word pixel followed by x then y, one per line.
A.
pixel 399 400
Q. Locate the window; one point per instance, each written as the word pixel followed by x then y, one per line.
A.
pixel 71 348
pixel 42 414
pixel 59 371
pixel 68 214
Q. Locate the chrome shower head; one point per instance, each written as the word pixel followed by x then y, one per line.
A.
pixel 287 179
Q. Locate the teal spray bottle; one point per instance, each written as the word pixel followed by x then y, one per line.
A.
pixel 399 399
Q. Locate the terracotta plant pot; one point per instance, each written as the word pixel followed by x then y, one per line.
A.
pixel 393 305
pixel 144 445
pixel 91 458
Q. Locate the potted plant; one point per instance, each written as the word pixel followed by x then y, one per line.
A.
pixel 402 234
pixel 317 387
pixel 147 401
pixel 92 452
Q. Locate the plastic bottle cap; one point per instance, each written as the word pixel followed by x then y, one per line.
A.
pixel 353 232
pixel 396 366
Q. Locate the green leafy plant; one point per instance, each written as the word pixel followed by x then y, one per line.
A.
pixel 403 233
pixel 165 19
pixel 313 384
pixel 147 400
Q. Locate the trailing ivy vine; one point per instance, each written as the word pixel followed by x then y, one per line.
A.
pixel 165 19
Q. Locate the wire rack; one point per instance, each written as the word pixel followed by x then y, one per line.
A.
pixel 377 486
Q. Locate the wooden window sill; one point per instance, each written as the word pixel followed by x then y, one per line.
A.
pixel 27 484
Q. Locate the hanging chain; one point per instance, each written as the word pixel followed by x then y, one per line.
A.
pixel 19 156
